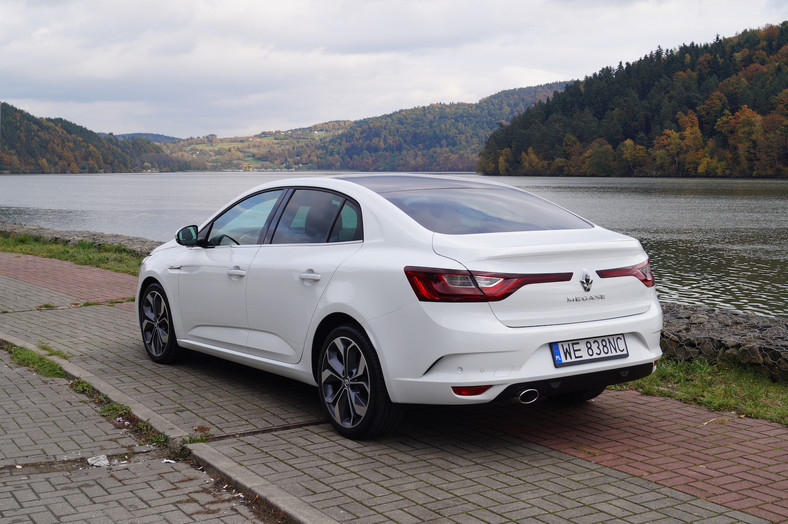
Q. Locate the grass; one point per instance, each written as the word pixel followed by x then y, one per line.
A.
pixel 114 258
pixel 718 386
pixel 34 361
pixel 50 351
pixel 115 410
pixel 86 388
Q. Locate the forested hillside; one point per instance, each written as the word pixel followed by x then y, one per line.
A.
pixel 29 144
pixel 438 137
pixel 718 109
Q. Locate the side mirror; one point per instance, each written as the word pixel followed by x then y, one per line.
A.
pixel 187 236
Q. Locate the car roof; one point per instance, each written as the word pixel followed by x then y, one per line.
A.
pixel 388 183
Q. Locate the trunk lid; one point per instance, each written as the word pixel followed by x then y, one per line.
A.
pixel 579 251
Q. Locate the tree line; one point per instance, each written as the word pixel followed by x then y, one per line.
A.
pixel 437 137
pixel 29 144
pixel 712 110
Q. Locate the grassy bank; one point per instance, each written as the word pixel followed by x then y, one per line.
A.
pixel 114 258
pixel 718 386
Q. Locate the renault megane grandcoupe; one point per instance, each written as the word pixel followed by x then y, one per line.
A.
pixel 387 290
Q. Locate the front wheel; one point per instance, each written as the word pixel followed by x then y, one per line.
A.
pixel 351 386
pixel 158 334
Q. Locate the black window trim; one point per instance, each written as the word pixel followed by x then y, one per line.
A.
pixel 204 233
pixel 267 233
pixel 270 229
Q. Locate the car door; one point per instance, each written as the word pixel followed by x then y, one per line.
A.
pixel 316 232
pixel 212 282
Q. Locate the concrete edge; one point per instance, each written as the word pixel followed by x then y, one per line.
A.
pixel 241 477
pixel 296 509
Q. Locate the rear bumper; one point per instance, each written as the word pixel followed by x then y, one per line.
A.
pixel 586 381
pixel 435 353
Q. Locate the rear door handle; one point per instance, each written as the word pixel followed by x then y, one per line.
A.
pixel 236 272
pixel 309 275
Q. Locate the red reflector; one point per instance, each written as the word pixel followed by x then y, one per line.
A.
pixel 469 391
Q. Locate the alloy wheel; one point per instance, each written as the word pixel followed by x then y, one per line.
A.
pixel 345 382
pixel 155 323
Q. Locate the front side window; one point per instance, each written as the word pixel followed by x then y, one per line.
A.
pixel 243 223
pixel 315 217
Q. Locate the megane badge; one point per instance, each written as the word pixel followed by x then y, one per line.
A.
pixel 585 280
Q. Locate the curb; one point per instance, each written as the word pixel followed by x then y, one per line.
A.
pixel 251 482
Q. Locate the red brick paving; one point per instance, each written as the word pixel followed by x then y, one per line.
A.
pixel 737 462
pixel 82 282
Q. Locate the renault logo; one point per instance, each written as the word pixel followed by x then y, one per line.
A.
pixel 585 280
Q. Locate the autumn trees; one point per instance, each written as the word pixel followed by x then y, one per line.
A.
pixel 438 137
pixel 52 145
pixel 719 109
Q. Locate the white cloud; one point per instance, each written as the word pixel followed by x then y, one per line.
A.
pixel 189 68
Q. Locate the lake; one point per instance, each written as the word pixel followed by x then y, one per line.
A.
pixel 722 243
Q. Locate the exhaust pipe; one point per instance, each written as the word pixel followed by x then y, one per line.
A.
pixel 528 396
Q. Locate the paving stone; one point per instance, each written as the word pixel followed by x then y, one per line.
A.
pixel 608 460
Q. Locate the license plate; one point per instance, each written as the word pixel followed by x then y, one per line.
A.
pixel 571 352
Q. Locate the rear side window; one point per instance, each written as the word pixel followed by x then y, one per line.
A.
pixel 348 224
pixel 461 211
pixel 315 217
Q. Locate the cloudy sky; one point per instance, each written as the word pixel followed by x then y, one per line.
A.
pixel 237 67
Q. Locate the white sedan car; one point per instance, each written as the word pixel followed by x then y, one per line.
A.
pixel 386 290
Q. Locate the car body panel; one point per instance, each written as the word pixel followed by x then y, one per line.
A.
pixel 218 273
pixel 284 286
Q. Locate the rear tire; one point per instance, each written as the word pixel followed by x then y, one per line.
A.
pixel 158 333
pixel 351 386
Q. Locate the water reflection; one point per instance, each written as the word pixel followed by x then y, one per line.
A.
pixel 717 242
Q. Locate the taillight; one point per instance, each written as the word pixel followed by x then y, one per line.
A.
pixel 448 285
pixel 640 271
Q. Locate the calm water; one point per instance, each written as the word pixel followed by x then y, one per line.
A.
pixel 717 242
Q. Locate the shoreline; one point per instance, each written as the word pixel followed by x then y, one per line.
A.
pixel 689 331
pixel 140 246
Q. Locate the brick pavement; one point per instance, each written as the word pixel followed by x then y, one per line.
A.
pixel 625 457
pixel 42 421
pixel 47 434
pixel 720 457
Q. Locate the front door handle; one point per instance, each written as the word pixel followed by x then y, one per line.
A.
pixel 236 272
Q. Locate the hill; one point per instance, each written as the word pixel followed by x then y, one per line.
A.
pixel 151 137
pixel 29 144
pixel 438 137
pixel 718 109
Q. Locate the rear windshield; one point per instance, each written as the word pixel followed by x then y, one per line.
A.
pixel 463 211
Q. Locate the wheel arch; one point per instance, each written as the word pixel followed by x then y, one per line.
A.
pixel 143 286
pixel 325 327
pixel 174 311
